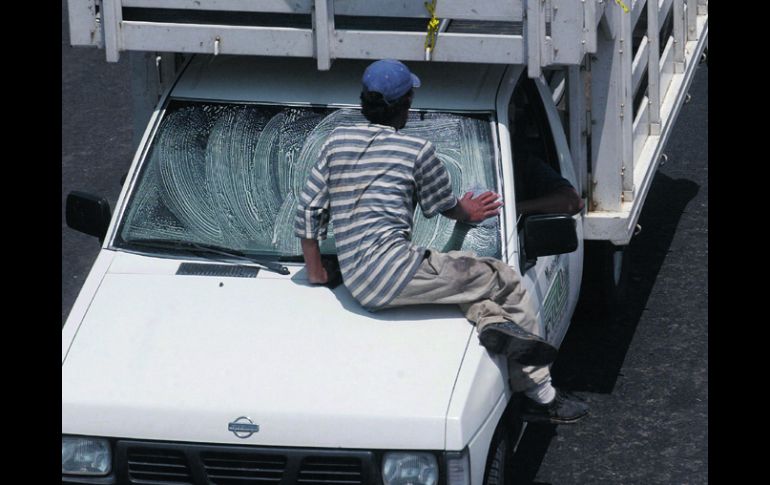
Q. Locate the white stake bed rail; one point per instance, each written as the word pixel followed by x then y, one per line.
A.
pixel 627 64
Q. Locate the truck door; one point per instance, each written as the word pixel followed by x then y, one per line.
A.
pixel 542 161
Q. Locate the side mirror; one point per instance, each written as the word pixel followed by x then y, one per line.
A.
pixel 88 214
pixel 548 234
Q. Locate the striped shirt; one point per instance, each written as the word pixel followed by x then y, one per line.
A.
pixel 368 179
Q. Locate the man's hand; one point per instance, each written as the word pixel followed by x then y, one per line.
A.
pixel 319 277
pixel 316 273
pixel 469 209
pixel 320 270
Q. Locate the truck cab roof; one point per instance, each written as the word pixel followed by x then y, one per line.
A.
pixel 297 81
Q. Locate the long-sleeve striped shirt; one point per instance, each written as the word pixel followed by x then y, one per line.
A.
pixel 368 179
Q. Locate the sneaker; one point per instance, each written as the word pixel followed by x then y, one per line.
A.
pixel 523 347
pixel 564 409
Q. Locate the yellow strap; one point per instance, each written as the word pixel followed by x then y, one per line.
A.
pixel 622 5
pixel 433 23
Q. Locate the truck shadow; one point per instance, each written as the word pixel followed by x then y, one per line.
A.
pixel 592 354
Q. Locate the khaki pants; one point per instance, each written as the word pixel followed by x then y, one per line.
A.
pixel 486 289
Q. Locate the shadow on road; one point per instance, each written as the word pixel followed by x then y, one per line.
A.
pixel 593 351
pixel 531 452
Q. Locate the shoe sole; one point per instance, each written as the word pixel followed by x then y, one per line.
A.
pixel 524 350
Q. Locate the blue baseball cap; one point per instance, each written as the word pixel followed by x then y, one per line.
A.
pixel 389 77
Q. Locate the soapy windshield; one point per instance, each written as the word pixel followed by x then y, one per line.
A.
pixel 229 175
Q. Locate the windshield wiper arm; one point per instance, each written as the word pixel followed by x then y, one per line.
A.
pixel 209 249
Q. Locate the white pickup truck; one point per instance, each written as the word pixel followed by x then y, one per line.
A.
pixel 197 353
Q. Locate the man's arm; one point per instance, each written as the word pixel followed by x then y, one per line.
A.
pixel 435 195
pixel 434 187
pixel 562 200
pixel 316 273
pixel 312 219
pixel 469 209
pixel 553 194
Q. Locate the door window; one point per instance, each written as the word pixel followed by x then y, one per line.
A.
pixel 535 159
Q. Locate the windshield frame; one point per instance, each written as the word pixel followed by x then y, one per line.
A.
pixel 139 168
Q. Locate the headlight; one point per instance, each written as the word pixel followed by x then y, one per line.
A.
pixel 409 469
pixel 85 456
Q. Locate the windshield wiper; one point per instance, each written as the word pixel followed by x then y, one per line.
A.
pixel 207 249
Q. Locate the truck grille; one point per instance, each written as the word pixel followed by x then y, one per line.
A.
pixel 151 463
pixel 231 468
pixel 146 465
pixel 330 471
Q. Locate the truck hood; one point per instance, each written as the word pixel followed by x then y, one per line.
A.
pixel 171 357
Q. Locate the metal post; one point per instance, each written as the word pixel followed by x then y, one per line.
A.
pixel 112 16
pixel 589 26
pixel 607 96
pixel 692 20
pixel 84 29
pixel 679 36
pixel 577 124
pixel 626 52
pixel 653 66
pixel 534 32
pixel 567 45
pixel 323 25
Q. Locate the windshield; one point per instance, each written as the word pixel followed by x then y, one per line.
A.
pixel 229 175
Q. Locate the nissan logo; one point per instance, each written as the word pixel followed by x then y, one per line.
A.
pixel 243 427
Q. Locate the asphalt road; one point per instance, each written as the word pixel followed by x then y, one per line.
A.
pixel 643 369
